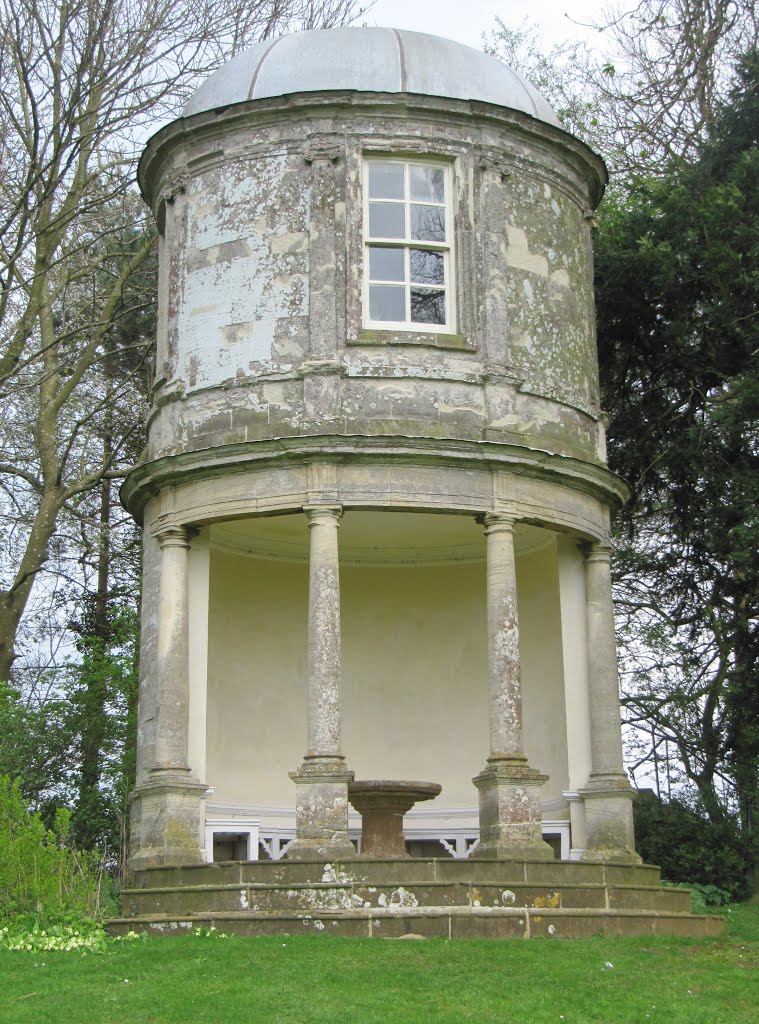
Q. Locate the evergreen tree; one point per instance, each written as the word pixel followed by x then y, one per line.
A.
pixel 678 294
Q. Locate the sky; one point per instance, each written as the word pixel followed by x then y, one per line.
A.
pixel 467 20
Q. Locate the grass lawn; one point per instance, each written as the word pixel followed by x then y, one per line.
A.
pixel 322 980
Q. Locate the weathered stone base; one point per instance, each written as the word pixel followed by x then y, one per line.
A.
pixel 321 811
pixel 446 898
pixel 609 822
pixel 510 815
pixel 169 813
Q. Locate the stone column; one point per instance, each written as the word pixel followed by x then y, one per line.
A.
pixel 510 818
pixel 321 809
pixel 171 799
pixel 608 795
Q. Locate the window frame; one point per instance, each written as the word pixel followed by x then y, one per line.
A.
pixel 446 248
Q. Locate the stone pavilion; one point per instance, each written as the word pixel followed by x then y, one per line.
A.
pixel 376 505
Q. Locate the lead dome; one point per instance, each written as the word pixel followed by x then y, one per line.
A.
pixel 368 60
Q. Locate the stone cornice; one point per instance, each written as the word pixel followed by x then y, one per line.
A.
pixel 589 478
pixel 211 126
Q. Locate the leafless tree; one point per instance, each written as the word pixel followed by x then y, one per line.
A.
pixel 82 83
pixel 669 65
pixel 649 88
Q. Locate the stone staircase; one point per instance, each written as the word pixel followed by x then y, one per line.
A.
pixel 432 898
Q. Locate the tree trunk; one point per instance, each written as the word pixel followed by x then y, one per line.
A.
pixel 13 601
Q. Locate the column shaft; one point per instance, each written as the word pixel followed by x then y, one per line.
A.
pixel 603 678
pixel 510 815
pixel 324 641
pixel 168 802
pixel 504 673
pixel 173 678
pixel 321 782
pixel 608 796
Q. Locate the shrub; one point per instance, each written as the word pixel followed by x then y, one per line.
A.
pixel 40 873
pixel 689 848
pixel 702 896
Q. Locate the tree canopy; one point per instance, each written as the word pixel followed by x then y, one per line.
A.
pixel 678 301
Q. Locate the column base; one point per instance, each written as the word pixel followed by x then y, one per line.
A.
pixel 510 818
pixel 321 811
pixel 609 820
pixel 168 821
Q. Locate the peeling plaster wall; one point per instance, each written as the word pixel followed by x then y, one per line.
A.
pixel 260 325
pixel 414 675
pixel 247 267
pixel 550 293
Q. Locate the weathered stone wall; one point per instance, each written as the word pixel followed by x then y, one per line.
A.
pixel 260 332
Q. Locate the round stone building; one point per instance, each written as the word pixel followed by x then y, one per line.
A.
pixel 376 505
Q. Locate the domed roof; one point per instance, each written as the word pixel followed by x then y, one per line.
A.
pixel 368 60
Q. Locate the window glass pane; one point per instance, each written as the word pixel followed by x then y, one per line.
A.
pixel 387 302
pixel 385 181
pixel 387 264
pixel 387 220
pixel 427 306
pixel 427 183
pixel 427 267
pixel 428 223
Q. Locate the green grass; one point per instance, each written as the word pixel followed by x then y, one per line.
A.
pixel 322 980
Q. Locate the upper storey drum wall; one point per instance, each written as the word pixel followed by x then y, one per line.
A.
pixel 304 292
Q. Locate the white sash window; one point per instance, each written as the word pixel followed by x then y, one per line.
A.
pixel 408 247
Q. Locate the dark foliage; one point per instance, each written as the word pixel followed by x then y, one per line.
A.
pixel 678 302
pixel 688 847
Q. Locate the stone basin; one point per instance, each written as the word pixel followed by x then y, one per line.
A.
pixel 382 804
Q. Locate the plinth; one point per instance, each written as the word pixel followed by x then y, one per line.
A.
pixel 382 804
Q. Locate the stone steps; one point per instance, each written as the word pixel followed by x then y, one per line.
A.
pixel 412 870
pixel 448 898
pixel 435 922
pixel 307 898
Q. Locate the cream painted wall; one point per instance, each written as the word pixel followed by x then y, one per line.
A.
pixel 415 682
pixel 577 700
pixel 540 630
pixel 256 678
pixel 414 675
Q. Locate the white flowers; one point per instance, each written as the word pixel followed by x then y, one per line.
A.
pixel 209 933
pixel 61 938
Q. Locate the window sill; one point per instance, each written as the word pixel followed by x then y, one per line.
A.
pixel 370 336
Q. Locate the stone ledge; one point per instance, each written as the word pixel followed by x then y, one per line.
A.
pixel 150 478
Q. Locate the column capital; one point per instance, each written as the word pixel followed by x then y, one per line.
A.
pixel 175 536
pixel 321 151
pixel 499 522
pixel 598 551
pixel 323 514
